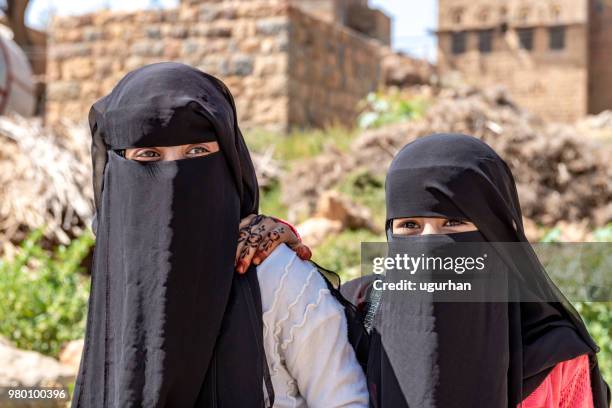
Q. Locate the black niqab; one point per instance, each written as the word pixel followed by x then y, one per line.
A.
pixel 444 362
pixel 169 323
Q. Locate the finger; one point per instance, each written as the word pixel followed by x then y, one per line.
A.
pixel 272 239
pixel 256 233
pixel 246 224
pixel 245 256
pixel 242 237
pixel 303 252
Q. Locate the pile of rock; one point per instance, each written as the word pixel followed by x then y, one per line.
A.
pixel 561 173
pixel 334 214
pixel 21 368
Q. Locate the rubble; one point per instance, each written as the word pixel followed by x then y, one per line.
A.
pixel 315 230
pixel 401 70
pixel 45 180
pixel 70 356
pixel 21 368
pixel 335 213
pixel 561 173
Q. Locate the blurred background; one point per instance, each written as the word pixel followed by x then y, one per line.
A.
pixel 327 91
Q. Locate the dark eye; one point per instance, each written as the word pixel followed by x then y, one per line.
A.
pixel 148 154
pixel 196 150
pixel 409 225
pixel 454 223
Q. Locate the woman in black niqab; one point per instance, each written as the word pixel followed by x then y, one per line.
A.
pixel 470 354
pixel 167 314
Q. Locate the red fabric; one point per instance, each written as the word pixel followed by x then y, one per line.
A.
pixel 291 227
pixel 568 385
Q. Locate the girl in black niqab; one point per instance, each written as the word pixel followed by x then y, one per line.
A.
pixel 426 354
pixel 167 314
pixel 493 354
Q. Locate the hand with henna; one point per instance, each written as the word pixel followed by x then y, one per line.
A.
pixel 260 235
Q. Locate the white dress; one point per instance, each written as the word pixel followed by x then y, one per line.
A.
pixel 310 359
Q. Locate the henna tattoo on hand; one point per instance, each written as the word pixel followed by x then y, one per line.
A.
pixel 254 236
pixel 272 237
pixel 251 235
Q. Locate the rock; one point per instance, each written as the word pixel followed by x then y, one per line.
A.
pixel 21 368
pixel 62 90
pixel 315 230
pixel 272 26
pixel 402 70
pixel 334 214
pixel 337 207
pixel 239 65
pixel 70 356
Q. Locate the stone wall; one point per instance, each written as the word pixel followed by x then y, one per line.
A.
pixel 552 83
pixel 331 69
pixel 256 47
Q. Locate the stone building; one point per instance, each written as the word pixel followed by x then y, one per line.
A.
pixel 553 55
pixel 354 14
pixel 288 63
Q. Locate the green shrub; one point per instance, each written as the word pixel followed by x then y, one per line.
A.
pixel 596 315
pixel 598 318
pixel 368 190
pixel 44 297
pixel 270 201
pixel 300 144
pixel 386 108
pixel 342 253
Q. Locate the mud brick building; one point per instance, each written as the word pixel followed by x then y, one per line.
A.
pixel 555 56
pixel 288 63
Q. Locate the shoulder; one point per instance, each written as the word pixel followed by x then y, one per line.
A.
pixel 568 385
pixel 286 280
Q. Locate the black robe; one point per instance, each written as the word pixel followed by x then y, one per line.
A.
pixel 489 354
pixel 169 322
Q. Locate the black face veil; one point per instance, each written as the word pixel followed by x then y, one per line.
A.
pixel 169 322
pixel 470 354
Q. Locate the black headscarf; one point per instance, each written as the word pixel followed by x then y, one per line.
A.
pixel 168 317
pixel 489 354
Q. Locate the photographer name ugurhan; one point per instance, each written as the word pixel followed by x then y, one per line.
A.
pixel 430 287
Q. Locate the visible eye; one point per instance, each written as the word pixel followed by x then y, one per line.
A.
pixel 454 223
pixel 408 225
pixel 147 154
pixel 197 150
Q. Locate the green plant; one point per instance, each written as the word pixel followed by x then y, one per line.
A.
pixel 368 190
pixel 341 253
pixel 44 302
pixel 603 234
pixel 270 201
pixel 596 315
pixel 598 318
pixel 300 144
pixel 386 108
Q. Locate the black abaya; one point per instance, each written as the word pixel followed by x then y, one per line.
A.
pixel 169 323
